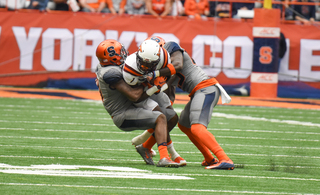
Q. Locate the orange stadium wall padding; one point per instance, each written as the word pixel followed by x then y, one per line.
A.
pixel 35 47
pixel 266 34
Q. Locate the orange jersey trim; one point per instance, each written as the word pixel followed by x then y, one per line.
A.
pixel 203 84
pixel 166 57
pixel 130 70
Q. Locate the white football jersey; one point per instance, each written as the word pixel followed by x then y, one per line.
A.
pixel 132 74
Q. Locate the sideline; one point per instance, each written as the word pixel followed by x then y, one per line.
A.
pixel 13 92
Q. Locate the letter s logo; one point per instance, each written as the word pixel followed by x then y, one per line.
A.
pixel 265 55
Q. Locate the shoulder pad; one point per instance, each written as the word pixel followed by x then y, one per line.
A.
pixel 112 76
pixel 172 47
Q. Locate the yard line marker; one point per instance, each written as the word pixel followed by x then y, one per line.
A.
pixel 134 160
pixel 181 152
pixel 240 117
pixel 264 131
pixel 229 137
pixel 150 189
pixel 75 148
pixel 56 123
pixel 68 131
pixel 57 138
pixel 252 177
pixel 171 134
pixel 110 140
pixel 75 171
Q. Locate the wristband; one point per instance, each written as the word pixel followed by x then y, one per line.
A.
pixel 172 69
pixel 164 87
pixel 156 73
pixel 152 90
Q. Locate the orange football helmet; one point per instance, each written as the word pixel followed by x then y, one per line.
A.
pixel 158 39
pixel 111 52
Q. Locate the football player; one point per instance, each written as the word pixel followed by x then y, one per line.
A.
pixel 204 94
pixel 118 97
pixel 150 56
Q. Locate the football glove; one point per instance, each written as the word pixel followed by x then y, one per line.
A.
pixel 160 82
pixel 151 75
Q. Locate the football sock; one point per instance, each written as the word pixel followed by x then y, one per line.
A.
pixel 150 131
pixel 163 151
pixel 149 143
pixel 202 134
pixel 172 151
pixel 202 148
pixel 141 138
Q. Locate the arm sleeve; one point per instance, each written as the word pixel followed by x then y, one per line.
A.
pixel 112 76
pixel 171 47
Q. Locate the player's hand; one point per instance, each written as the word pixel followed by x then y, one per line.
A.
pixel 160 82
pixel 149 77
pixel 160 85
pixel 152 75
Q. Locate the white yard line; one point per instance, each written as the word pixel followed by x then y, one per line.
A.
pixel 125 160
pixel 149 189
pixel 75 171
pixel 111 140
pixel 181 152
pixel 240 117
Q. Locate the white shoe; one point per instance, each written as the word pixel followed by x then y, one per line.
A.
pixel 166 162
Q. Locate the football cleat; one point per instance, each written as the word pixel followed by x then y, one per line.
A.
pixel 223 164
pixel 180 161
pixel 205 163
pixel 145 154
pixel 166 162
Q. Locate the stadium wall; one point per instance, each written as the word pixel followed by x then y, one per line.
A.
pixel 58 49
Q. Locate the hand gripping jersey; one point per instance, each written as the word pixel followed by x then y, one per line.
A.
pixel 113 101
pixel 132 74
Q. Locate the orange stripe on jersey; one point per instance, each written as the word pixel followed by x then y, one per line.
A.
pixel 130 70
pixel 203 84
pixel 166 57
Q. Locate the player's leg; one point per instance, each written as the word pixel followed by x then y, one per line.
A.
pixel 201 108
pixel 185 126
pixel 139 118
pixel 165 107
pixel 164 161
pixel 169 112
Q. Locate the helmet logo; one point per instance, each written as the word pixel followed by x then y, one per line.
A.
pixel 111 51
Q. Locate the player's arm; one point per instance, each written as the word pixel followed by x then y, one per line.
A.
pixel 115 80
pixel 175 66
pixel 132 93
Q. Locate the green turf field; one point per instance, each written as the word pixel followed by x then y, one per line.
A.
pixel 72 147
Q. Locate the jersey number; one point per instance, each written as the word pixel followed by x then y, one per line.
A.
pixel 265 55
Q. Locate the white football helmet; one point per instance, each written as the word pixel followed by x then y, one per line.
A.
pixel 148 55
